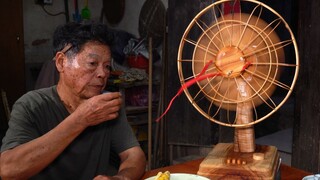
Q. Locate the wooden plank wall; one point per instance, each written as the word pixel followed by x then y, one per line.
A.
pixel 306 153
pixel 185 124
pixel 12 67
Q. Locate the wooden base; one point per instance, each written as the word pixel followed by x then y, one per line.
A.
pixel 223 163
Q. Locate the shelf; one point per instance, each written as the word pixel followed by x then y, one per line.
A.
pixel 136 109
pixel 122 84
pixel 136 121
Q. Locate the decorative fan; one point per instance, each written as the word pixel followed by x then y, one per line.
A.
pixel 241 58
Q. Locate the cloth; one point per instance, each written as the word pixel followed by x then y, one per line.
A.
pixel 39 111
pixel 48 75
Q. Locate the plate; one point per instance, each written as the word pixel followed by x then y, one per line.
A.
pixel 312 177
pixel 182 176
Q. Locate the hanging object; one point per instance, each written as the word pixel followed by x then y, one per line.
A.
pixel 85 12
pixel 76 14
pixel 152 21
pixel 113 10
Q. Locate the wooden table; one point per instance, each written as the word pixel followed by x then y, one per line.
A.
pixel 191 167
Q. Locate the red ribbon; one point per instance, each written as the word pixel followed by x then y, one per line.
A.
pixel 199 77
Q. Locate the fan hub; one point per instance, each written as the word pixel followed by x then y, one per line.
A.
pixel 230 61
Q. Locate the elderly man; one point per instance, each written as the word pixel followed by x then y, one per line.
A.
pixel 73 130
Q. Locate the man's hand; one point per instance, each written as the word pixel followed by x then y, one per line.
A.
pixel 99 109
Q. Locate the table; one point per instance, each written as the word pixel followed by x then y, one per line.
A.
pixel 191 167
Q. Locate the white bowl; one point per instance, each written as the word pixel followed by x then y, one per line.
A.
pixel 182 176
pixel 312 177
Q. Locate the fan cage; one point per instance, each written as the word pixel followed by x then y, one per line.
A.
pixel 221 110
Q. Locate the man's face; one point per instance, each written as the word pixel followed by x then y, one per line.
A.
pixel 86 73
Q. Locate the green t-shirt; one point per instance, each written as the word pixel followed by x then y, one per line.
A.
pixel 90 154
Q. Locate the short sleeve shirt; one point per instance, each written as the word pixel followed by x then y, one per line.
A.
pixel 39 111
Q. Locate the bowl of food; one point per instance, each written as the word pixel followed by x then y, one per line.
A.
pixel 176 176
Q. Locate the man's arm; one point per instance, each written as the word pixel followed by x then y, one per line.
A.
pixel 30 158
pixel 132 167
pixel 133 163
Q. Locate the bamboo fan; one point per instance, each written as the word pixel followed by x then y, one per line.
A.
pixel 246 58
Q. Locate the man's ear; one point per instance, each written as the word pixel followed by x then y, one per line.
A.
pixel 60 59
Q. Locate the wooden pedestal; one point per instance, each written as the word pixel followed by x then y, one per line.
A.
pixel 223 163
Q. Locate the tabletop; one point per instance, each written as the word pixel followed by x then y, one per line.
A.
pixel 191 167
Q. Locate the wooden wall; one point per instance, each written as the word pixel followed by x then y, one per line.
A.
pixel 306 152
pixel 185 124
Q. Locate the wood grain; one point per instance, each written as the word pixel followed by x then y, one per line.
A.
pixel 192 167
pixel 224 163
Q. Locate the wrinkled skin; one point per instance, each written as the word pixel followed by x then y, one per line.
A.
pixel 83 78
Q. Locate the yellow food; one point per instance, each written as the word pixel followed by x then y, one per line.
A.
pixel 163 176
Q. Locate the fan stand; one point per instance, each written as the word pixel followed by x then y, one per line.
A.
pixel 242 159
pixel 224 163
